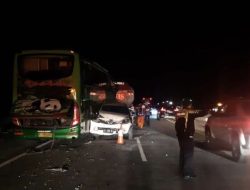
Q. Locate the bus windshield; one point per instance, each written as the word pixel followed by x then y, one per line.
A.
pixel 45 67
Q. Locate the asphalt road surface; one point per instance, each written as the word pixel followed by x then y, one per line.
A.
pixel 149 161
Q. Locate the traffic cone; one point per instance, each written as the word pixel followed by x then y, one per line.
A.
pixel 140 121
pixel 120 139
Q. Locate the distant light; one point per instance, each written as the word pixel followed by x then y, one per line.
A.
pixel 219 104
pixel 73 92
pixel 215 109
pixel 163 102
pixel 120 83
pixel 158 103
pixel 154 111
pixel 92 93
pixel 190 100
pixel 163 109
pixel 170 103
pixel 71 51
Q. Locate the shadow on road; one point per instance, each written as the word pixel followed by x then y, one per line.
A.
pixel 217 148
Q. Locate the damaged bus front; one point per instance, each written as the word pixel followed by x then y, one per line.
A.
pixel 46 94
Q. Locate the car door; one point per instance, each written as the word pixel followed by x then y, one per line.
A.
pixel 221 129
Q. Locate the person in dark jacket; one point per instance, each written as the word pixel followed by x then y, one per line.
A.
pixel 147 116
pixel 179 128
pixel 184 127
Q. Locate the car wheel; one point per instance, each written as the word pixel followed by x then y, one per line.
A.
pixel 208 136
pixel 237 149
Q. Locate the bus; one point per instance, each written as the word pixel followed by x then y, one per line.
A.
pixel 51 93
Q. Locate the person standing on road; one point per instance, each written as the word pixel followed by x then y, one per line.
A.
pixel 188 147
pixel 179 128
pixel 184 127
pixel 147 116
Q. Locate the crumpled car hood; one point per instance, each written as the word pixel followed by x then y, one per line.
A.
pixel 116 117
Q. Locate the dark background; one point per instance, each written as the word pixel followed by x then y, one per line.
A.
pixel 161 57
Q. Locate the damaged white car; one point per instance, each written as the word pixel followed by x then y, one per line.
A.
pixel 111 118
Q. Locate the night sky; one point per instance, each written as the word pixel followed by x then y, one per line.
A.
pixel 175 60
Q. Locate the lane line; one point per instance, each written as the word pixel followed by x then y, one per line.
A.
pixel 22 155
pixel 44 144
pixel 12 159
pixel 171 121
pixel 143 157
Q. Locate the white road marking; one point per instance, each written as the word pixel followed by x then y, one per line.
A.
pixel 171 121
pixel 12 159
pixel 143 157
pixel 44 144
pixel 22 155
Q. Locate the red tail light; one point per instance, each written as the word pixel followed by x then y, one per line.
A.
pixel 15 121
pixel 163 109
pixel 76 115
pixel 18 133
pixel 99 95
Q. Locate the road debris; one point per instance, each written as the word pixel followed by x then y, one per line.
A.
pixel 62 169
pixel 78 187
pixel 89 142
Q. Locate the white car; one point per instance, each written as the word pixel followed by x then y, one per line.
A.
pixel 200 122
pixel 112 117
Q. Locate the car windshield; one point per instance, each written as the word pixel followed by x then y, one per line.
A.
pixel 116 109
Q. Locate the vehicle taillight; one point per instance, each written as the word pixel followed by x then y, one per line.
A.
pixel 99 95
pixel 76 116
pixel 121 95
pixel 15 121
pixel 176 109
pixel 163 109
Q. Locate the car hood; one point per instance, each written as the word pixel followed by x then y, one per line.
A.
pixel 108 116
